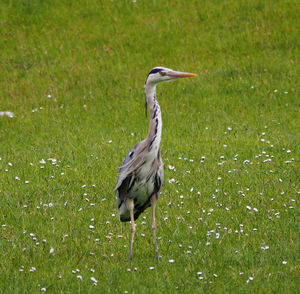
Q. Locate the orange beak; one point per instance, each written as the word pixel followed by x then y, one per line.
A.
pixel 179 74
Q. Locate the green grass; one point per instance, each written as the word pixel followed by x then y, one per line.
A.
pixel 92 57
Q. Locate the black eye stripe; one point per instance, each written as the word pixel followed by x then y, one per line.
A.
pixel 155 70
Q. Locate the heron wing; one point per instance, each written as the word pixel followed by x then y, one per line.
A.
pixel 130 165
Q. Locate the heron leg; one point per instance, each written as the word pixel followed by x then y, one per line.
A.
pixel 130 206
pixel 153 205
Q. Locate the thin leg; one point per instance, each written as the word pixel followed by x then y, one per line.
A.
pixel 153 204
pixel 130 206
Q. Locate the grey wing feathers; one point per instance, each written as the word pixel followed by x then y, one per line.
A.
pixel 126 174
pixel 126 167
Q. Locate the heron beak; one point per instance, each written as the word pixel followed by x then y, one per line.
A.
pixel 179 74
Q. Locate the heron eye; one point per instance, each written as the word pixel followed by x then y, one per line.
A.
pixel 162 73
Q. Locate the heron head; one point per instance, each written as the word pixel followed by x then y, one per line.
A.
pixel 163 74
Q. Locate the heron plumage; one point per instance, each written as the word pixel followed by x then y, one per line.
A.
pixel 141 174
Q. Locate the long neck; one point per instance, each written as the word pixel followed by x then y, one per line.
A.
pixel 155 128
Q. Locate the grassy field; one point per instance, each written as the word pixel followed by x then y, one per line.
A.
pixel 72 72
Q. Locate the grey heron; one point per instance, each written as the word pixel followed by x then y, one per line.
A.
pixel 141 173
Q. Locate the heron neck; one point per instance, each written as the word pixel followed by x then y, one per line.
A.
pixel 155 128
